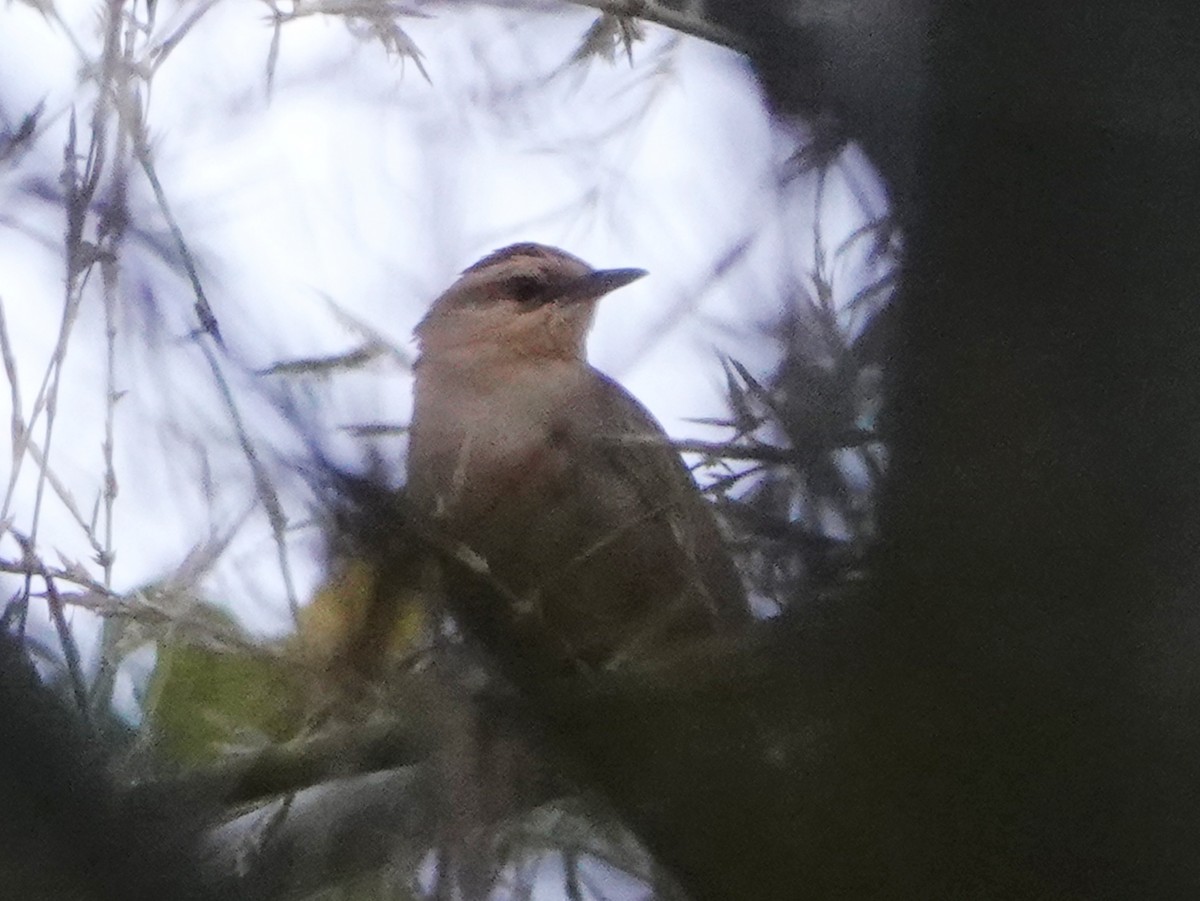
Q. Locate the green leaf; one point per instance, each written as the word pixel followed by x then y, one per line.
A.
pixel 207 702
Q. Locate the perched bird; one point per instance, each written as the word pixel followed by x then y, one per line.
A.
pixel 554 476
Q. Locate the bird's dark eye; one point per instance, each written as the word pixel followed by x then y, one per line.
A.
pixel 527 290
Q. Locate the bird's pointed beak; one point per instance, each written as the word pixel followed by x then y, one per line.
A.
pixel 599 282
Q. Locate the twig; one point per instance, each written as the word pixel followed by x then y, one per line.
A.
pixel 758 452
pixel 264 489
pixel 204 311
pixel 158 54
pixel 62 574
pixel 70 650
pixel 19 430
pixel 679 20
pixel 297 765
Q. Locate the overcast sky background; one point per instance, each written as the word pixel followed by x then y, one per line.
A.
pixel 356 185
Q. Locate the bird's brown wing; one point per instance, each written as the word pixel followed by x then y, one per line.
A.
pixel 629 442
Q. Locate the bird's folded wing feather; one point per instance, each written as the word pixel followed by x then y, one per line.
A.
pixel 631 442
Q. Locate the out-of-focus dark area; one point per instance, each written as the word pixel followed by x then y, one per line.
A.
pixel 68 831
pixel 980 677
pixel 1031 723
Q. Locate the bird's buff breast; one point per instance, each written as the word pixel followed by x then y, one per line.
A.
pixel 517 470
pixel 482 442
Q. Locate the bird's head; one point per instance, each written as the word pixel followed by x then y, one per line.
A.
pixel 523 300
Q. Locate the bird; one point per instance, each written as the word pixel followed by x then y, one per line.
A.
pixel 561 486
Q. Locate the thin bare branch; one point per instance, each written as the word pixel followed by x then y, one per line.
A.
pixel 681 20
pixel 158 54
pixel 19 431
pixel 204 311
